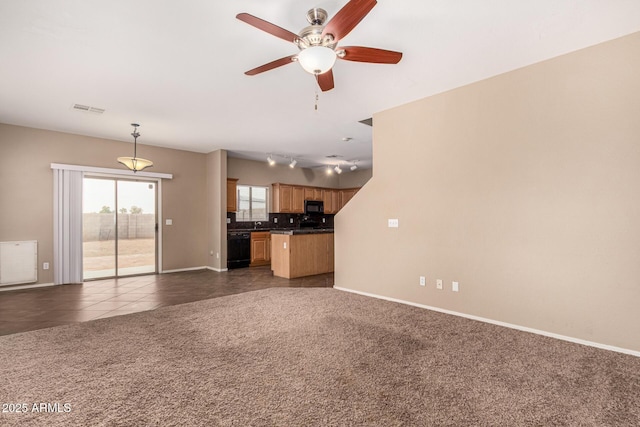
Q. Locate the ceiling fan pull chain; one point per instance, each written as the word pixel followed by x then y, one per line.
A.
pixel 316 106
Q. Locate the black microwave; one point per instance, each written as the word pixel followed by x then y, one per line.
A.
pixel 313 207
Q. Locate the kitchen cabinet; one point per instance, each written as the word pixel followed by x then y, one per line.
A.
pixel 287 198
pixel 346 195
pixel 331 201
pixel 260 248
pixel 281 198
pixel 297 199
pixel 232 195
pixel 299 255
pixel 313 193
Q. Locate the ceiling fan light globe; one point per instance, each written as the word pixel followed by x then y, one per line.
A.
pixel 317 59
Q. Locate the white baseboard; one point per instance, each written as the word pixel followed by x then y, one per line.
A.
pixel 204 267
pixel 219 270
pixel 19 287
pixel 499 323
pixel 178 270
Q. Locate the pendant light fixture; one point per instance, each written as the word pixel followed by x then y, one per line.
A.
pixel 135 163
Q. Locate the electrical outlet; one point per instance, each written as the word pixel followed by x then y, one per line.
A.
pixel 290 220
pixel 393 223
pixel 45 265
pixel 170 222
pixel 324 220
pixel 439 284
pixel 275 220
pixel 228 220
pixel 454 286
pixel 423 281
pixel 218 255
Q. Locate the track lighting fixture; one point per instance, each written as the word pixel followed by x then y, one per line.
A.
pixel 270 160
pixel 337 169
pixel 293 163
pixel 354 167
pixel 329 170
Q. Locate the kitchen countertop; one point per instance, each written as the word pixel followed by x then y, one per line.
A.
pixel 302 231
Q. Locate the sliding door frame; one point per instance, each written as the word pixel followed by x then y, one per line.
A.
pixel 123 174
pixel 157 228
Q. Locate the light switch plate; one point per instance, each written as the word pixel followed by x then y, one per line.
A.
pixel 393 223
pixel 169 222
pixel 455 287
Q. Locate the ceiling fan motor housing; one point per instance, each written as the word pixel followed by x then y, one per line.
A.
pixel 312 35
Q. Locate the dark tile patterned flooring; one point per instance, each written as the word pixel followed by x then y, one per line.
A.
pixel 38 308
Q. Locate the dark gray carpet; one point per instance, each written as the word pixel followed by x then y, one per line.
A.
pixel 299 357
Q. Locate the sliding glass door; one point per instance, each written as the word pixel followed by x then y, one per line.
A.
pixel 119 227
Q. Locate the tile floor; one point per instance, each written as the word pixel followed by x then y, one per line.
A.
pixel 37 308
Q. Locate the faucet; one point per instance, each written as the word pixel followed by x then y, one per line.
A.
pixel 256 224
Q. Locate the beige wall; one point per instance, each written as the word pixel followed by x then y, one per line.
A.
pixel 251 172
pixel 26 190
pixel 217 209
pixel 525 188
pixel 354 179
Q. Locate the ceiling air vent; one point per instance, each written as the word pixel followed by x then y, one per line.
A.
pixel 368 122
pixel 88 109
pixel 333 156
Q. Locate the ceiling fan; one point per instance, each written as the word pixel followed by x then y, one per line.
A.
pixel 318 42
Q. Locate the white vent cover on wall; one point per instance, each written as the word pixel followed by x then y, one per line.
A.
pixel 18 262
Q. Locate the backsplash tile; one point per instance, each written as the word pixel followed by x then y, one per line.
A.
pixel 283 221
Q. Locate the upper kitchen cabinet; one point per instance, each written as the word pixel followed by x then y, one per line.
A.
pixel 281 198
pixel 346 195
pixel 297 200
pixel 232 195
pixel 313 193
pixel 331 201
pixel 287 198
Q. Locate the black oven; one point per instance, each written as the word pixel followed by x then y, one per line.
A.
pixel 312 207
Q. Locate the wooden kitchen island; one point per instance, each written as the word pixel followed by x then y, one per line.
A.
pixel 299 253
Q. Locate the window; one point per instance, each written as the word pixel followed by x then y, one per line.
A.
pixel 252 203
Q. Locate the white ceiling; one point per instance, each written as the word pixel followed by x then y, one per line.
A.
pixel 177 67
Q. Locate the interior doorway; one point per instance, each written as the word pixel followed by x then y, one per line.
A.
pixel 119 235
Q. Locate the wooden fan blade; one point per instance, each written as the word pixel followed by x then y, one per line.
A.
pixel 347 18
pixel 369 54
pixel 268 27
pixel 325 80
pixel 271 65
